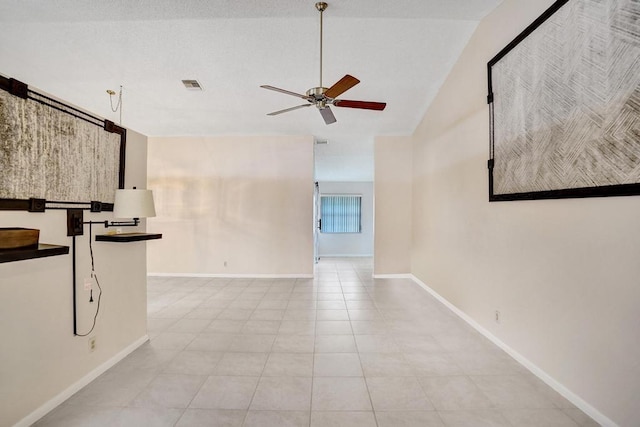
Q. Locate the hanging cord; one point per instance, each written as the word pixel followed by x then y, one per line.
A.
pixel 93 276
pixel 118 105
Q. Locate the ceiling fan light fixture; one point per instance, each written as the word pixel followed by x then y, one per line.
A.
pixel 323 97
pixel 316 92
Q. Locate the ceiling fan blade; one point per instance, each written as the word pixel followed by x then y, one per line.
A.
pixel 287 92
pixel 275 113
pixel 327 115
pixel 365 105
pixel 341 86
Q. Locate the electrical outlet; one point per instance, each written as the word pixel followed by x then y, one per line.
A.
pixel 497 316
pixel 92 344
pixel 225 263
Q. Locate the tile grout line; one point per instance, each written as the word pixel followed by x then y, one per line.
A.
pixel 364 378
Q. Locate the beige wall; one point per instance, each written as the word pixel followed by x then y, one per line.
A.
pixel 39 355
pixel 392 205
pixel 246 201
pixel 564 274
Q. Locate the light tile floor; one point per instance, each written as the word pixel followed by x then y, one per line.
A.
pixel 340 350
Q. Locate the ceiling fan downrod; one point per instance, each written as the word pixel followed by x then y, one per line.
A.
pixel 321 6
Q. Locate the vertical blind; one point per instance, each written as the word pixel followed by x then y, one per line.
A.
pixel 340 213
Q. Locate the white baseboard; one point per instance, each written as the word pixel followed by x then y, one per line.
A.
pixel 78 385
pixel 346 256
pixel 234 276
pixel 580 403
pixel 393 276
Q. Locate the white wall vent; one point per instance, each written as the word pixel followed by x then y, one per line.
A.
pixel 192 84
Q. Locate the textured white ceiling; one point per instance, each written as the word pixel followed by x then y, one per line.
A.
pixel 401 50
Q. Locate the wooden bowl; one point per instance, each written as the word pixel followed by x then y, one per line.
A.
pixel 18 238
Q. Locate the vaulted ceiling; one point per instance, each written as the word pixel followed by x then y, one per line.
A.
pixel 401 50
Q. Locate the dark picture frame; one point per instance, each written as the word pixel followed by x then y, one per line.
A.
pixel 565 106
pixel 37 203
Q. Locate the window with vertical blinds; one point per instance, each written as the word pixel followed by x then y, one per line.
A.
pixel 340 213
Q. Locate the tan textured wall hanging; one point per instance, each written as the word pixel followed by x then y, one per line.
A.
pixel 565 104
pixel 52 151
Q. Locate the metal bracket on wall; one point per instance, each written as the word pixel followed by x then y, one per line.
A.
pixel 75 219
pixel 37 205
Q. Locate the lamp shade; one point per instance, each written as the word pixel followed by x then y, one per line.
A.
pixel 133 204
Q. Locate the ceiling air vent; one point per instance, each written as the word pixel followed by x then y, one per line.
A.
pixel 321 142
pixel 192 84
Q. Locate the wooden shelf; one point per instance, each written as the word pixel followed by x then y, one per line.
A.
pixel 127 237
pixel 42 251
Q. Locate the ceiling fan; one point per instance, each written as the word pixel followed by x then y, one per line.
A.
pixel 322 97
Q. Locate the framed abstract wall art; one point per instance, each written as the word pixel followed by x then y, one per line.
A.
pixel 564 102
pixel 55 155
